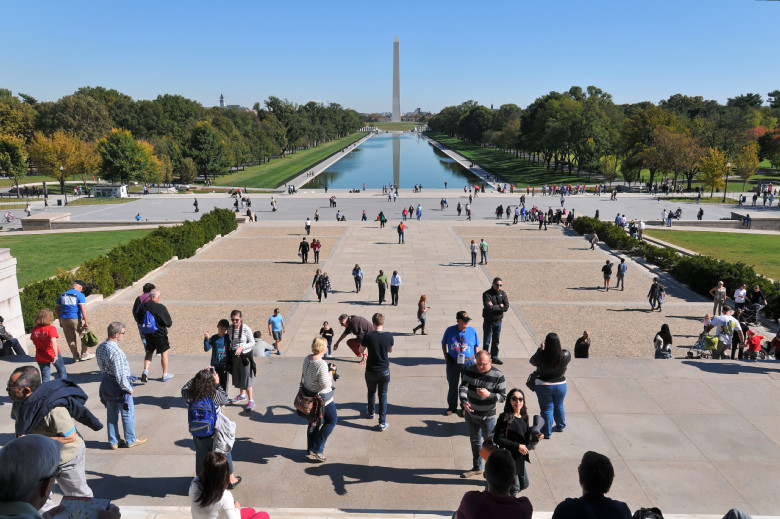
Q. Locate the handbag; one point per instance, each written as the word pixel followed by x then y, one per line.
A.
pixel 489 446
pixel 224 433
pixel 530 382
pixel 305 405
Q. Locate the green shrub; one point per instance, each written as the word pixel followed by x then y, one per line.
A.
pixel 43 294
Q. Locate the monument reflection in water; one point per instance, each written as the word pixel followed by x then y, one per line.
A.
pixel 404 159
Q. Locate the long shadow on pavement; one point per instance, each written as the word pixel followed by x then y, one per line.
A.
pixel 713 366
pixel 117 487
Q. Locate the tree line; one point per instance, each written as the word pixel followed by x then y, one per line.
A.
pixel 103 132
pixel 680 138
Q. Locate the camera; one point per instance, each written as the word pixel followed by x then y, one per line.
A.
pixel 332 368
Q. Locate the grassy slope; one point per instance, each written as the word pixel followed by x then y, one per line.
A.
pixel 39 255
pixel 758 250
pixel 515 170
pixel 275 173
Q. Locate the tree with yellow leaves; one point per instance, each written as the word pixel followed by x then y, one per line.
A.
pixel 746 162
pixel 713 167
pixel 59 155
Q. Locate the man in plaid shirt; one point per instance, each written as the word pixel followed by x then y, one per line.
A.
pixel 116 388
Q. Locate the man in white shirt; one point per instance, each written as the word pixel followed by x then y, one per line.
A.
pixel 725 325
pixel 740 295
pixel 395 285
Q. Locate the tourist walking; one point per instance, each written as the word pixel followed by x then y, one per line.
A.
pixel 71 310
pixel 495 304
pixel 551 362
pixel 116 389
pixel 381 283
pixel 357 274
pixel 276 328
pixel 607 271
pixel 422 309
pixel 307 226
pixel 482 386
pixel 242 341
pixel 377 346
pixel 326 332
pixel 621 274
pixel 656 295
pixel 140 300
pixel 315 247
pixel 401 229
pixel 157 335
pixel 459 345
pixel 317 380
pixel 474 248
pixel 321 284
pixel 395 287
pixel 513 433
pixel 483 250
pixel 303 250
pixel 44 337
pixel 718 294
pixel 219 345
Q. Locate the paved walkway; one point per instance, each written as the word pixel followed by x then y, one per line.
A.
pixel 675 430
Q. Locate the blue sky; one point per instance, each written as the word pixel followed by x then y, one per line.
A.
pixel 492 51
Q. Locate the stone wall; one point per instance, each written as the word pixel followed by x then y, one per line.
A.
pixel 10 305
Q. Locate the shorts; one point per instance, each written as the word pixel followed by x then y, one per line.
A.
pixel 606 278
pixel 157 344
pixel 277 335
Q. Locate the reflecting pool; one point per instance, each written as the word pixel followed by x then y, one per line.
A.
pixel 403 159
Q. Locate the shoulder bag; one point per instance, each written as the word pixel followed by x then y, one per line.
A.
pixel 488 446
pixel 530 382
pixel 224 433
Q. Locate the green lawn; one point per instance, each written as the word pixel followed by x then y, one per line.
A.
pixel 39 255
pixel 518 171
pixel 275 173
pixel 758 250
pixel 100 201
pixel 394 127
pixel 705 199
pixel 30 179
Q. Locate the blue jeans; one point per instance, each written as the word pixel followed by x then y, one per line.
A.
pixel 401 237
pixel 478 430
pixel 483 256
pixel 59 365
pixel 317 435
pixel 143 337
pixel 380 380
pixel 202 447
pixel 454 371
pixel 113 410
pixel 551 406
pixel 491 332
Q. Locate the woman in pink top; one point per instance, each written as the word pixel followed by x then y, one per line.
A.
pixel 44 336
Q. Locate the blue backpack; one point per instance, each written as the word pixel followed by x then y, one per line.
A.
pixel 202 417
pixel 148 324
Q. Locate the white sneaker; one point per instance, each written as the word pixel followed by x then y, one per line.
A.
pixel 167 376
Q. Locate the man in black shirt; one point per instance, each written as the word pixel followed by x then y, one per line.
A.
pixel 582 346
pixel 494 304
pixel 303 248
pixel 377 345
pixel 607 270
pixel 596 474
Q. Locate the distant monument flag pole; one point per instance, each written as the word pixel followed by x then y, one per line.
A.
pixel 396 84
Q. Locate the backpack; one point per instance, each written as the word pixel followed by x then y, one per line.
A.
pixel 148 324
pixel 202 417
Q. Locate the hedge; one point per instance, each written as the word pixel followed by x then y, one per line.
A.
pixel 700 273
pixel 125 264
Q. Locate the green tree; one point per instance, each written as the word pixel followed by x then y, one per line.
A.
pixel 187 170
pixel 608 167
pixel 16 117
pixel 774 98
pixel 714 167
pixel 208 149
pixel 746 101
pixel 13 158
pixel 82 115
pixel 125 158
pixel 746 162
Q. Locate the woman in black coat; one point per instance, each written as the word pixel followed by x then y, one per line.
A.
pixel 514 434
pixel 551 362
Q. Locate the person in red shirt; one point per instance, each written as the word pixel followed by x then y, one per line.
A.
pixel 753 344
pixel 44 336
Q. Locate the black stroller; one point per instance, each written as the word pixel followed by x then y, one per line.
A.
pixel 752 313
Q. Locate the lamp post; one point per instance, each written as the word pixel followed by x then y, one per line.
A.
pixel 726 187
pixel 64 191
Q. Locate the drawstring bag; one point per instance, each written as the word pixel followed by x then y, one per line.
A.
pixel 90 339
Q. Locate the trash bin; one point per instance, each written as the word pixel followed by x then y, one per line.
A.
pixel 59 201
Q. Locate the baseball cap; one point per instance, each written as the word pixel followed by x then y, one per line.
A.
pixel 463 316
pixel 79 282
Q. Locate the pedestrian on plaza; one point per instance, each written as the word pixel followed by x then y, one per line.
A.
pixel 321 284
pixel 640 230
pixel 44 337
pixel 51 410
pixel 621 274
pixel 317 381
pixel 551 362
pixel 116 389
pixel 354 324
pixel 513 433
pixel 357 274
pixel 718 294
pixel 195 203
pixel 459 345
pixel 381 282
pixel 594 239
pixel 157 339
pixel 596 475
pixel 726 326
pixel 382 219
pixel 377 346
pixel 315 247
pixel 219 344
pixel 140 300
pixel 496 502
pixel 338 215
pixel 316 215
pixel 71 310
pixel 495 304
pixel 422 309
pixel 303 250
pixel 474 248
pixel 326 332
pixel 401 228
pixel 482 387
pixel 656 295
pixel 483 250
pixel 582 346
pixel 740 296
pixel 307 226
pixel 607 271
pixel 242 341
pixel 700 214
pixel 276 327
pixel 395 286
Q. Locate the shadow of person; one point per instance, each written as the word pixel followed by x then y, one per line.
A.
pixel 437 429
pixel 117 487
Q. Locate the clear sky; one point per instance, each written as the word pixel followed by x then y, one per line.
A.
pixel 493 51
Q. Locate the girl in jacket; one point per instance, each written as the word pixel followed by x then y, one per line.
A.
pixel 241 341
pixel 514 434
pixel 551 362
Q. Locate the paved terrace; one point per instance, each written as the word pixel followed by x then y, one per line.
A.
pixel 675 430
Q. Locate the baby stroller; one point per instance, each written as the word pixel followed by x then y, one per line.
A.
pixel 752 313
pixel 703 347
pixel 767 350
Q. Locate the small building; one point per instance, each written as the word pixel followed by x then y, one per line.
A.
pixel 110 191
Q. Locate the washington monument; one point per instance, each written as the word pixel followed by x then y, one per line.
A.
pixel 396 84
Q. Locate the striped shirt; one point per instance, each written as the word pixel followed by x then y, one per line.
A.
pixel 317 379
pixel 113 361
pixel 492 380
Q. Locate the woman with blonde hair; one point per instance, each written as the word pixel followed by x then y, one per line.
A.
pixel 44 336
pixel 318 381
pixel 422 308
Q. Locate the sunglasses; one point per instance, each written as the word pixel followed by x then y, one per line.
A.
pixel 516 399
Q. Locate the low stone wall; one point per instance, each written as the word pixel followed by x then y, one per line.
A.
pixel 10 305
